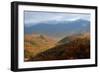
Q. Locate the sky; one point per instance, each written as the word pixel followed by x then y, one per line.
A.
pixel 34 17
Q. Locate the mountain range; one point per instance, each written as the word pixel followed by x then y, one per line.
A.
pixel 59 28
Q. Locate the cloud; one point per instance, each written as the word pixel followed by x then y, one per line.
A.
pixel 34 17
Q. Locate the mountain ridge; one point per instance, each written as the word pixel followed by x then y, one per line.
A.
pixel 60 28
pixel 78 47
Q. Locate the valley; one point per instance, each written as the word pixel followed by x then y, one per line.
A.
pixel 43 48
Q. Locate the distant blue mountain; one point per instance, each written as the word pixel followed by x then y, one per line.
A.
pixel 58 28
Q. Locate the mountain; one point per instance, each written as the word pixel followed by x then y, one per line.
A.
pixel 36 43
pixel 73 37
pixel 58 29
pixel 77 48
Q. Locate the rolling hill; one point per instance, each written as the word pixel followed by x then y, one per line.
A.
pixel 77 47
pixel 34 44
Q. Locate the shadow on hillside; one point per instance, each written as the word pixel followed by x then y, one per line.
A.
pixel 76 49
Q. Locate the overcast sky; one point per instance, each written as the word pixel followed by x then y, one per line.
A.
pixel 34 17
